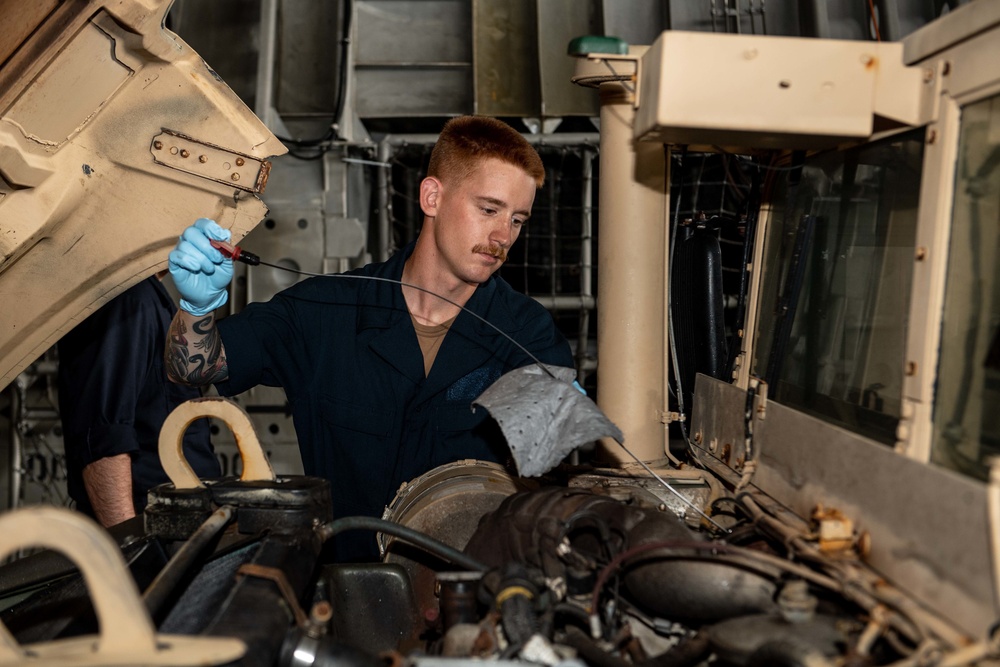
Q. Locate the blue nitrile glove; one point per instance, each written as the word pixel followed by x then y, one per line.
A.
pixel 579 387
pixel 201 273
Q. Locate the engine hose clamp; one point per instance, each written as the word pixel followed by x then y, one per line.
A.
pixel 512 591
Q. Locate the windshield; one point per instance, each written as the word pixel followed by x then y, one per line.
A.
pixel 835 288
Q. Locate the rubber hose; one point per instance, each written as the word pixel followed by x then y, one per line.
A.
pixel 416 538
pixel 518 618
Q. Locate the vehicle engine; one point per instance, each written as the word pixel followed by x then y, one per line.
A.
pixel 584 566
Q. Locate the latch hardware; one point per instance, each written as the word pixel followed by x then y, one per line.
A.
pixel 180 152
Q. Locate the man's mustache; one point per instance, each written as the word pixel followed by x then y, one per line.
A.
pixel 496 251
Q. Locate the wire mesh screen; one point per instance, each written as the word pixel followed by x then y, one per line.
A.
pixel 547 260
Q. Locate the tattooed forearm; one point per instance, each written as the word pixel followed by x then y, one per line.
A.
pixel 212 357
pixel 195 355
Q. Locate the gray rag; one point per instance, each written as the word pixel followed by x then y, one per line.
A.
pixel 544 418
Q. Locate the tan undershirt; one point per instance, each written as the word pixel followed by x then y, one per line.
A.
pixel 430 337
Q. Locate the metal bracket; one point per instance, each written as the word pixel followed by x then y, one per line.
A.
pixel 596 68
pixel 180 152
pixel 276 576
pixel 834 529
pixel 671 417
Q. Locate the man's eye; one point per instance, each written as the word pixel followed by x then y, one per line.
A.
pixel 489 211
pixel 519 222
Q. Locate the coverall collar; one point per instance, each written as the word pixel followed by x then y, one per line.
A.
pixel 469 339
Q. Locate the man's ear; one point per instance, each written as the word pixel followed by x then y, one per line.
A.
pixel 430 196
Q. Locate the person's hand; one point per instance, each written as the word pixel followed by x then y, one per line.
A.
pixel 201 273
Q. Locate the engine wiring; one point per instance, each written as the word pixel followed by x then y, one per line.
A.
pixel 670 311
pixel 906 627
pixel 604 531
pixel 860 586
pixel 899 620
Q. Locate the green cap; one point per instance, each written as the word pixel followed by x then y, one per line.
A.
pixel 581 46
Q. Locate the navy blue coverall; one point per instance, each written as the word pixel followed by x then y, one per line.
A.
pixel 114 393
pixel 367 419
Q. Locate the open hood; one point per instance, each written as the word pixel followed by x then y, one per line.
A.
pixel 114 136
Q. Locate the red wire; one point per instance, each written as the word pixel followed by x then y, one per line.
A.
pixel 871 11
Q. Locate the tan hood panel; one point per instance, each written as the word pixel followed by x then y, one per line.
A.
pixel 114 136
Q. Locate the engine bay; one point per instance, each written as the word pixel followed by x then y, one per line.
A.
pixel 584 565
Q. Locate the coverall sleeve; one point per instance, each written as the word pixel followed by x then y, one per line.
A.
pixel 103 365
pixel 264 345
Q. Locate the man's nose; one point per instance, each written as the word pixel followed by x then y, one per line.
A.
pixel 502 233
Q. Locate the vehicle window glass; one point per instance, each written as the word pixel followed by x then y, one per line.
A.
pixel 836 282
pixel 967 399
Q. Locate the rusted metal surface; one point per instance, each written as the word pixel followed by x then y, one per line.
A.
pixel 19 20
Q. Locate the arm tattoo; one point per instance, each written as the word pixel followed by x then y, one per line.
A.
pixel 196 357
